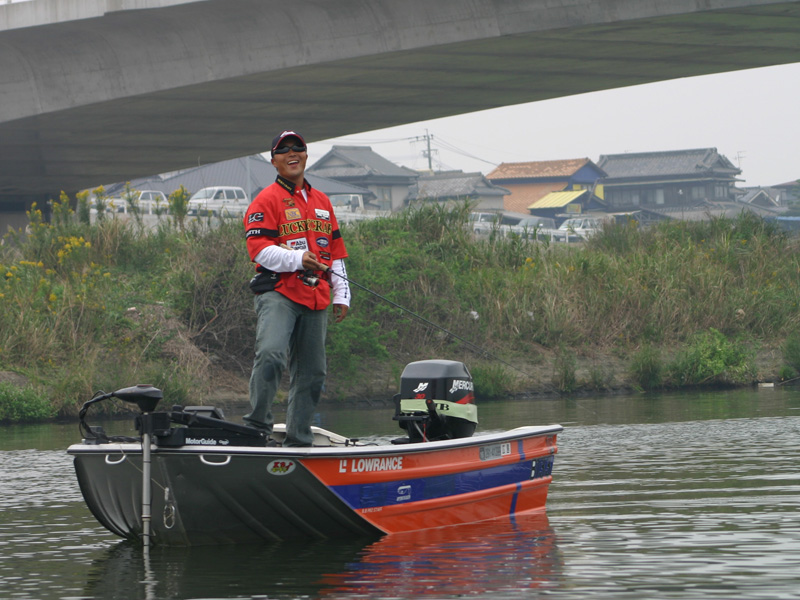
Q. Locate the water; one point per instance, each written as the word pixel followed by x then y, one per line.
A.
pixel 688 496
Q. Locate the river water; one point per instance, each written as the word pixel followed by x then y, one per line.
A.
pixel 688 496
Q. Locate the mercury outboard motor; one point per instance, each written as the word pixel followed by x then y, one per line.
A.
pixel 436 402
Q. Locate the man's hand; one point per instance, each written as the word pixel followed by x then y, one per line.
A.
pixel 340 312
pixel 310 262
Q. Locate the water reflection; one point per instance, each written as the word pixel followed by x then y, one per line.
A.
pixel 683 496
pixel 506 557
pixel 502 559
pixel 126 572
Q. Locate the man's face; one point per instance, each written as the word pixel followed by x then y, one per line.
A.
pixel 292 164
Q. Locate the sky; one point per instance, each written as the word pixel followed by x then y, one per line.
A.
pixel 751 117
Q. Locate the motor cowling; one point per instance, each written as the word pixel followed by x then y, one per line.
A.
pixel 436 401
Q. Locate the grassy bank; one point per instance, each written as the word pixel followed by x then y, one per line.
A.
pixel 88 307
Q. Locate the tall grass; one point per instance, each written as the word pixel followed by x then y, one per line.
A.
pixel 86 307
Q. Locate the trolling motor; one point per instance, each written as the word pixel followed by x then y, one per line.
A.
pixel 436 402
pixel 146 397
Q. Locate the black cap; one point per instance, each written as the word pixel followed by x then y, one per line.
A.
pixel 280 137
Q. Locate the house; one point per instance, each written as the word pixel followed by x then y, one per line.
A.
pixel 760 196
pixel 360 166
pixel 714 210
pixel 561 205
pixel 673 179
pixel 790 192
pixel 457 186
pixel 529 182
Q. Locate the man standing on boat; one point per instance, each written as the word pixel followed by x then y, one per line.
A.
pixel 293 237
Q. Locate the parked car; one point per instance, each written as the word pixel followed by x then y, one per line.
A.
pixel 219 201
pixel 528 227
pixel 483 223
pixel 347 203
pixel 153 202
pixel 583 227
pixel 149 202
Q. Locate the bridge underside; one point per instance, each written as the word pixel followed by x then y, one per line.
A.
pixel 122 138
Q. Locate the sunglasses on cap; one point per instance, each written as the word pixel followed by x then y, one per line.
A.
pixel 285 149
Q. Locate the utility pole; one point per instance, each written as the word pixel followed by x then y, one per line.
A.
pixel 427 153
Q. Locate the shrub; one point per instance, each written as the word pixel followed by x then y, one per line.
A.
pixel 600 378
pixel 84 208
pixel 713 359
pixel 20 405
pixel 179 206
pixel 564 378
pixel 491 381
pixel 349 342
pixel 647 368
pixel 791 351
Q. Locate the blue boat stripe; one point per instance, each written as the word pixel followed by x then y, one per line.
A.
pixel 521 449
pixel 403 491
pixel 513 508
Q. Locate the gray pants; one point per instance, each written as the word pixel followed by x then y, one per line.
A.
pixel 284 325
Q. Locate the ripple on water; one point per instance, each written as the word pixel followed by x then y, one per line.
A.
pixel 683 510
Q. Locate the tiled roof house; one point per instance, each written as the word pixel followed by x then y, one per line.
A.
pixel 760 196
pixel 677 178
pixel 361 166
pixel 457 186
pixel 529 182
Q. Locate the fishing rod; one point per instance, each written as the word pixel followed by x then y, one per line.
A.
pixel 311 280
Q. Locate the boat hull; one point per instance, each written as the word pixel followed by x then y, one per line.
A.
pixel 211 495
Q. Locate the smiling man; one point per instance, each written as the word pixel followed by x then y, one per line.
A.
pixel 293 237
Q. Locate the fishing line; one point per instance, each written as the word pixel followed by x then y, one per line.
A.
pixel 327 269
pixel 427 322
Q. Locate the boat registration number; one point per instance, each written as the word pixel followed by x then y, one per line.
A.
pixel 495 451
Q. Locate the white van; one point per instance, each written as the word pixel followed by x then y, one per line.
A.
pixel 219 201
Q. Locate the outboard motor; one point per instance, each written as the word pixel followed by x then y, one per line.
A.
pixel 436 402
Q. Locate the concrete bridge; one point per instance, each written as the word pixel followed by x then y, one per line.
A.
pixel 98 91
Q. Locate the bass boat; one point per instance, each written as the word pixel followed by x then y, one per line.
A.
pixel 190 477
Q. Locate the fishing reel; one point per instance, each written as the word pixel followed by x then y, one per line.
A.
pixel 309 278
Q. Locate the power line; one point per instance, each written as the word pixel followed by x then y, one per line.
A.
pixel 428 153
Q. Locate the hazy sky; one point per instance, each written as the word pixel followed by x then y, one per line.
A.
pixel 751 117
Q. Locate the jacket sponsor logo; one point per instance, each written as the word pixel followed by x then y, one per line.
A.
pixel 293 214
pixel 298 244
pixel 423 385
pixel 255 232
pixel 311 225
pixel 255 217
pixel 324 255
pixel 288 201
pixel 368 465
pixel 323 214
pixel 280 467
pixel 322 242
pixel 461 384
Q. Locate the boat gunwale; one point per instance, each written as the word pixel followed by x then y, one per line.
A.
pixel 523 432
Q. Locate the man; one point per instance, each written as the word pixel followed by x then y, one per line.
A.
pixel 293 237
